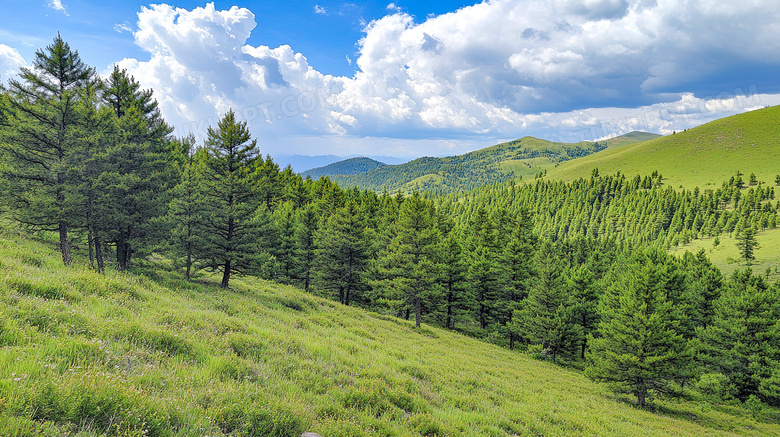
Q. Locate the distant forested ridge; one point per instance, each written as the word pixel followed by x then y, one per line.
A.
pixel 526 156
pixel 575 273
pixel 346 167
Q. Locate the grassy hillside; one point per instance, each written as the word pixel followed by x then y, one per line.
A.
pixel 726 255
pixel 704 156
pixel 349 166
pixel 153 355
pixel 525 158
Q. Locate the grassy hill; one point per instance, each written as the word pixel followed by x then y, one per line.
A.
pixel 525 157
pixel 149 354
pixel 704 156
pixel 349 166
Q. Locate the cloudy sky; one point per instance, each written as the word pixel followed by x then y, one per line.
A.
pixel 421 78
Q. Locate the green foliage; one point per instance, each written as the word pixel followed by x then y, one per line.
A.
pixel 342 254
pixel 483 167
pixel 349 166
pixel 228 197
pixel 638 349
pixel 409 264
pixel 722 147
pixel 244 364
pixel 747 245
pixel 742 341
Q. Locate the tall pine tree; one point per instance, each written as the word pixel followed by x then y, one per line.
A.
pixel 39 140
pixel 229 200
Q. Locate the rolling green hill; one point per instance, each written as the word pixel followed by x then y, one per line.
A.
pixel 525 157
pixel 149 354
pixel 349 166
pixel 704 156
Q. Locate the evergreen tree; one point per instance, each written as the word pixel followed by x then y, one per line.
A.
pixel 547 316
pixel 409 264
pixel 186 211
pixel 140 169
pixel 747 245
pixel 638 348
pixel 518 269
pixel 581 282
pixel 343 254
pixel 485 272
pixel 228 197
pixel 306 224
pixel 39 140
pixel 743 341
pixel 452 280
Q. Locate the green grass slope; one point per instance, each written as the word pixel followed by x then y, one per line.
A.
pixel 153 355
pixel 704 156
pixel 525 157
pixel 349 166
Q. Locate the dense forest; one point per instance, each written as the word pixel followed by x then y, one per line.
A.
pixel 575 273
pixel 468 171
pixel 349 166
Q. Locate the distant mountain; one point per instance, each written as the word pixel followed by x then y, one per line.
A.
pixel 703 156
pixel 351 166
pixel 301 163
pixel 525 157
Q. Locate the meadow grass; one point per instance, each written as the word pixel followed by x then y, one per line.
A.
pixel 702 157
pixel 151 354
pixel 726 254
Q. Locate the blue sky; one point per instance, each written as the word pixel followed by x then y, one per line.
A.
pixel 421 78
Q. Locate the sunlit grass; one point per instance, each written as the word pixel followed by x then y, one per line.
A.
pixel 152 354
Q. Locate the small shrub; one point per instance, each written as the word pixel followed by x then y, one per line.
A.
pixel 754 405
pixel 713 384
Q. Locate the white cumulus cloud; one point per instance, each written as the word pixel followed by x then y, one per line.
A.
pixel 57 6
pixel 498 69
pixel 10 62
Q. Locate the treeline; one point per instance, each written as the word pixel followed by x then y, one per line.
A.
pixel 561 270
pixel 638 210
pixel 349 166
pixel 84 155
pixel 463 172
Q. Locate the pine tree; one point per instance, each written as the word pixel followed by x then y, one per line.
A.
pixel 410 260
pixel 747 245
pixel 186 212
pixel 638 348
pixel 485 272
pixel 229 199
pixel 306 224
pixel 547 316
pixel 452 279
pixel 743 340
pixel 517 259
pixel 39 140
pixel 140 168
pixel 343 254
pixel 97 131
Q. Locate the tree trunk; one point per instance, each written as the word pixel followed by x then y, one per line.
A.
pixel 64 244
pixel 91 244
pixel 417 310
pixel 189 265
pixel 226 275
pixel 449 323
pixel 99 253
pixel 641 393
pixel 346 296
